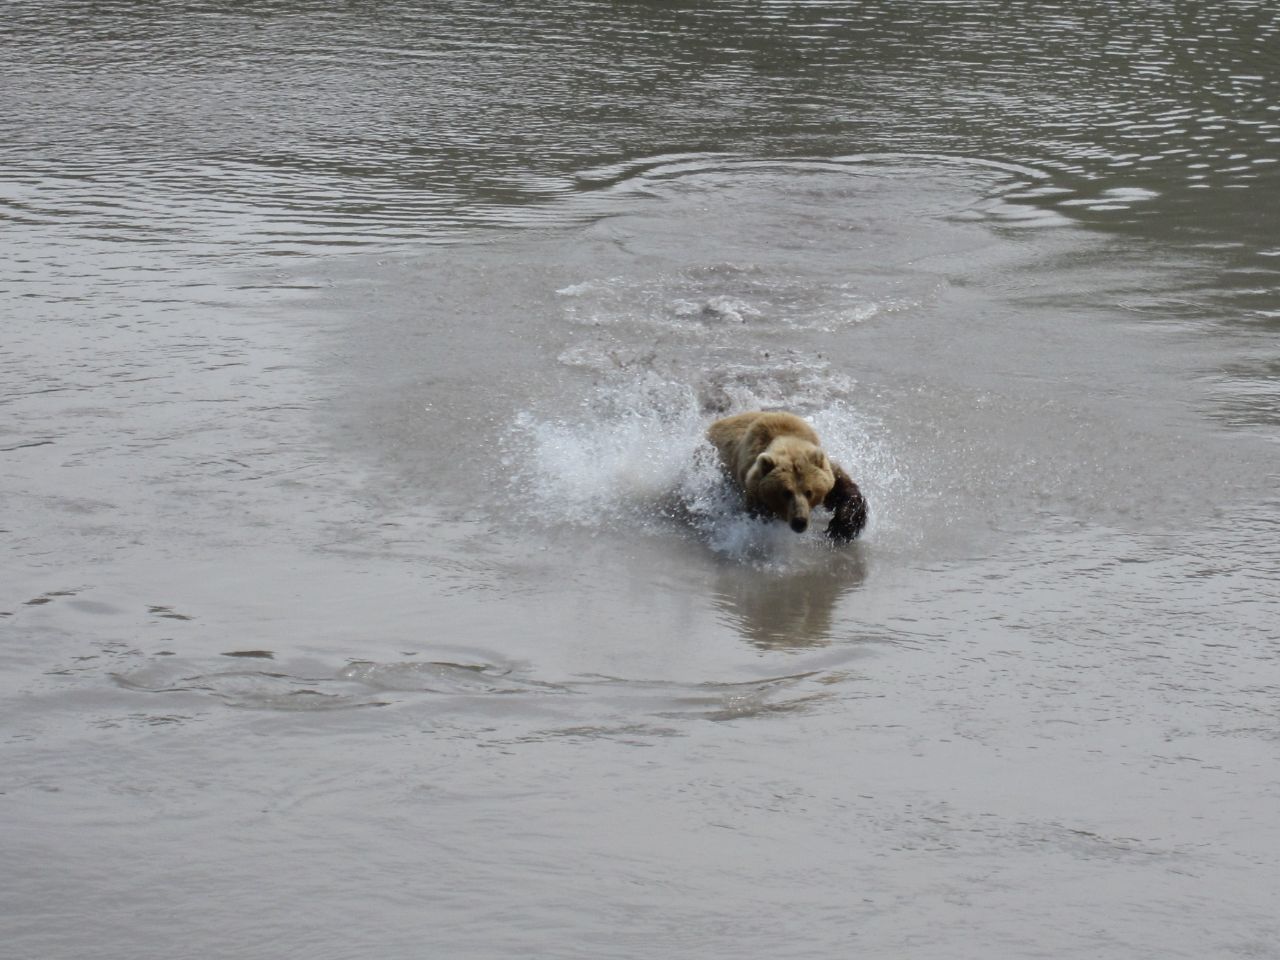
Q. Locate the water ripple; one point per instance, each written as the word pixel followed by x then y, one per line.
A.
pixel 366 683
pixel 291 128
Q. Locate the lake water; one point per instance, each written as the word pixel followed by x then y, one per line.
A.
pixel 366 589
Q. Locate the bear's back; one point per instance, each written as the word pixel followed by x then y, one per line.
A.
pixel 744 436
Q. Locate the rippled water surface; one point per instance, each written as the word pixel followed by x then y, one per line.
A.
pixel 368 588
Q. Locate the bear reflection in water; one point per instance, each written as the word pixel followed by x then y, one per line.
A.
pixel 775 609
pixel 777 462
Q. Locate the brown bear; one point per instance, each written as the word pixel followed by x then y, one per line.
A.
pixel 777 462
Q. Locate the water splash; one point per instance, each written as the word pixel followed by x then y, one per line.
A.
pixel 635 457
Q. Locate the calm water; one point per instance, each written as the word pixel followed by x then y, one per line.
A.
pixel 365 586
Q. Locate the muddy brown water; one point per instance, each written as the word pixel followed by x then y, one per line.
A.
pixel 366 586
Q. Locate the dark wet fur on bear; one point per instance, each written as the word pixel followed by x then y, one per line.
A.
pixel 848 508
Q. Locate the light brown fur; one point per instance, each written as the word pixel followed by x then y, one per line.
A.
pixel 778 463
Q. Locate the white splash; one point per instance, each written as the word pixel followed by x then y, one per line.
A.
pixel 635 458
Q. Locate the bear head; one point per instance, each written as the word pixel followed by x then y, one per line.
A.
pixel 787 480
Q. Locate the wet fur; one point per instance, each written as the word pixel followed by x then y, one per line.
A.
pixel 777 461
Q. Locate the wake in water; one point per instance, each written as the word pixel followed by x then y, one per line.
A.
pixel 649 363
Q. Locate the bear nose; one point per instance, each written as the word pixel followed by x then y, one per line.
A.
pixel 800 524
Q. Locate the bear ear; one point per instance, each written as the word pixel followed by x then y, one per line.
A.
pixel 765 463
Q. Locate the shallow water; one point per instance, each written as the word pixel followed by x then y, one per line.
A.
pixel 367 586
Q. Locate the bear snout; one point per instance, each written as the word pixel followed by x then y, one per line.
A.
pixel 799 514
